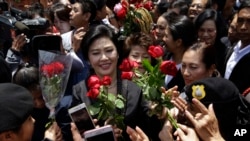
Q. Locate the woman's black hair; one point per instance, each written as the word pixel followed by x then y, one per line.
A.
pixel 27 76
pixel 181 27
pixel 182 5
pixel 162 7
pixel 94 33
pixel 138 38
pixel 168 15
pixel 62 11
pixel 207 52
pixel 100 4
pixel 35 8
pixel 210 14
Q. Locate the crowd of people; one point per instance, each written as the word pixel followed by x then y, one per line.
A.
pixel 209 41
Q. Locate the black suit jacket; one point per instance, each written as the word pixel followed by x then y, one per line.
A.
pixel 240 75
pixel 177 80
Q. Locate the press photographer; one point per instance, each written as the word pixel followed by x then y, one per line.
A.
pixel 23 26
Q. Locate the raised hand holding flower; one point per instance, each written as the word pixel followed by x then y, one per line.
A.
pixel 152 81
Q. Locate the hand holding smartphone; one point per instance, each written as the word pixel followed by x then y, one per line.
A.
pixel 104 133
pixel 81 117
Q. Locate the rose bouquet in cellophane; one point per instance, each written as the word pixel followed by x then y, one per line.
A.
pixel 54 71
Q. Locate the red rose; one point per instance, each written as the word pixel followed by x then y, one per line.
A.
pixel 124 3
pixel 47 70
pixel 106 80
pixel 94 82
pixel 58 67
pixel 121 14
pixel 168 67
pixel 148 5
pixel 156 51
pixel 135 64
pixel 133 1
pixel 138 5
pixel 127 75
pixel 128 65
pixel 246 92
pixel 93 93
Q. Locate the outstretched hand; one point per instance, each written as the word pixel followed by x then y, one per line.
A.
pixel 18 42
pixel 185 133
pixel 136 134
pixel 75 133
pixel 53 133
pixel 205 122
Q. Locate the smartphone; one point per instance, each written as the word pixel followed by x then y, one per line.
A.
pixel 81 117
pixel 104 133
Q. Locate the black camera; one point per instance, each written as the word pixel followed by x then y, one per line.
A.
pixel 18 21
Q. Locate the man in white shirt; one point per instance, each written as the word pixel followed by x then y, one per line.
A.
pixel 237 67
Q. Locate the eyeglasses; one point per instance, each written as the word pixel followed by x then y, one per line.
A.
pixel 198 6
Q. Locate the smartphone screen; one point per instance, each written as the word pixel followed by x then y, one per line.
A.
pixel 80 116
pixel 104 133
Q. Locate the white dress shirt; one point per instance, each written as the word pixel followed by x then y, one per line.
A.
pixel 235 58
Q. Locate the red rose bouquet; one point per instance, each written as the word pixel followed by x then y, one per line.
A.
pixel 54 72
pixel 134 15
pixel 152 80
pixel 106 105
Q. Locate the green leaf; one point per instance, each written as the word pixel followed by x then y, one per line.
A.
pixel 121 97
pixel 147 65
pixel 111 97
pixel 101 115
pixel 153 93
pixel 119 103
pixel 93 110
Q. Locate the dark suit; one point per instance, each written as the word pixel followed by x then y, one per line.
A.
pixel 240 75
pixel 135 111
pixel 177 80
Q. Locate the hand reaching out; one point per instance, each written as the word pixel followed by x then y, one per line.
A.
pixel 166 132
pixel 77 38
pixel 53 133
pixel 185 133
pixel 136 134
pixel 18 42
pixel 75 133
pixel 205 122
pixel 180 104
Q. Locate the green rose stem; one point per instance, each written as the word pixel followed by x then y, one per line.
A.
pixel 52 118
pixel 172 121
